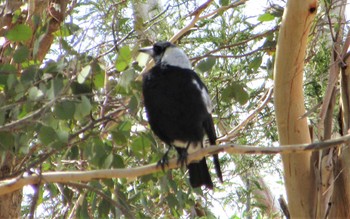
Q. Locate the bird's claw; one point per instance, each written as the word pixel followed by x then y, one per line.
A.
pixel 182 159
pixel 163 161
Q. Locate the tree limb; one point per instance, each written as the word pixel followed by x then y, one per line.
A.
pixel 11 185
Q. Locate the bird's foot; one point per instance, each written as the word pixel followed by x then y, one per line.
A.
pixel 163 161
pixel 182 159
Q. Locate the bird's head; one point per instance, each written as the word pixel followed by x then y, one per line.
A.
pixel 168 54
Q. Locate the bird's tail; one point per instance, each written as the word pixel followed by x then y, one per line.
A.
pixel 199 174
pixel 217 167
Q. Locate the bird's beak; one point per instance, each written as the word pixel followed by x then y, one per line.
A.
pixel 148 50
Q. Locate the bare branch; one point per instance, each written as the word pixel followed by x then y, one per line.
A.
pixel 11 185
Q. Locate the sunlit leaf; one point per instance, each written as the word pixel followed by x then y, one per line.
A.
pixel 20 32
pixel 67 29
pixel 124 58
pixel 35 94
pixel 224 2
pixel 84 73
pixel 266 17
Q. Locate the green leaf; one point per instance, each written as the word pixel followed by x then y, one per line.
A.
pixel 172 201
pixel 83 108
pixel 7 69
pixel 35 94
pixel 103 208
pixel 235 91
pixel 206 65
pixel 99 80
pixel 64 110
pixel 21 54
pixel 7 141
pixel 121 133
pixel 108 161
pixel 266 17
pixel 118 161
pixel 63 136
pixel 224 2
pixel 84 73
pixel 140 145
pixel 47 135
pixel 56 86
pixel 133 105
pixel 53 138
pixel 126 77
pixel 37 44
pixel 82 211
pixel 67 30
pixel 119 137
pixel 124 58
pixel 255 63
pixel 20 32
pixel 80 88
pixel 28 75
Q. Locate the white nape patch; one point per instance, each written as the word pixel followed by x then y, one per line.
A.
pixel 205 96
pixel 176 57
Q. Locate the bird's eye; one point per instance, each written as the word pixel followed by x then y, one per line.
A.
pixel 157 49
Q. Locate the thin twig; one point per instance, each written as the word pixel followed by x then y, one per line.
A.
pixel 264 100
pixel 196 59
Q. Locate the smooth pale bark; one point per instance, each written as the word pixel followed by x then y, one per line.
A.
pixel 289 105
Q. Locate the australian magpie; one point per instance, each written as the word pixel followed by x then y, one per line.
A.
pixel 179 109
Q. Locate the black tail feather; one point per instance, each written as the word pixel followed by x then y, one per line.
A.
pixel 217 167
pixel 199 174
pixel 210 131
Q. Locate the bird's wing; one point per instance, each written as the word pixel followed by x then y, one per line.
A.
pixel 204 92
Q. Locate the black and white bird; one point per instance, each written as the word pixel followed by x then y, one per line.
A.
pixel 178 108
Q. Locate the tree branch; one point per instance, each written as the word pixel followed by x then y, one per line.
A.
pixel 264 100
pixel 11 185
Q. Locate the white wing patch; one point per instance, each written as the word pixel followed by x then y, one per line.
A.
pixel 205 96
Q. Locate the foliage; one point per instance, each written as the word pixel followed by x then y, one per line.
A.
pixel 81 108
